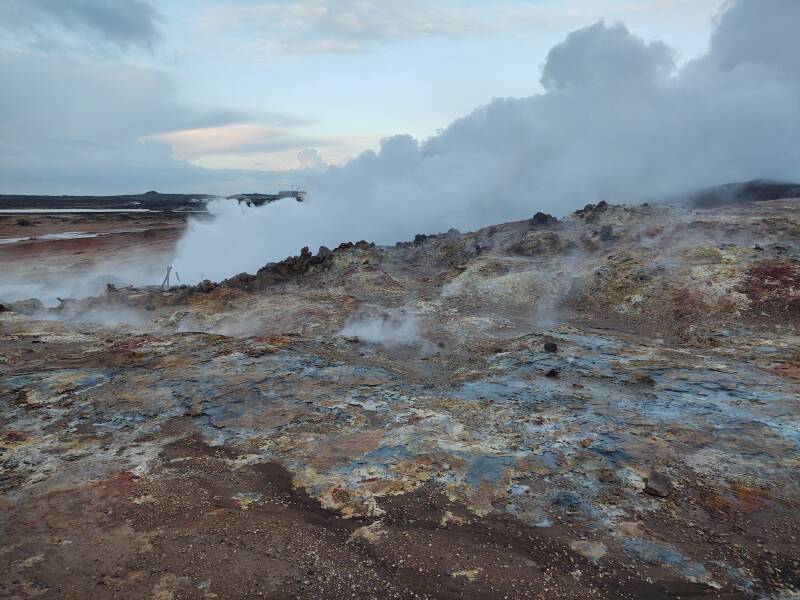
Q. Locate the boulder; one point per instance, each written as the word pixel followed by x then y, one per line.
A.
pixel 658 485
pixel 205 286
pixel 543 219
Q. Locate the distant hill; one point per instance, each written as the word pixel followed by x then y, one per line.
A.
pixel 758 190
pixel 149 200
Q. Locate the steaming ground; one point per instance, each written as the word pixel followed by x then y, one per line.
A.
pixel 604 406
pixel 619 120
pixel 400 328
pixel 50 284
pixel 52 256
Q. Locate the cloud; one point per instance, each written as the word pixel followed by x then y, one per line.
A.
pixel 341 26
pixel 239 138
pixel 76 127
pixel 66 98
pixel 223 116
pixel 617 122
pixel 63 99
pixel 311 159
pixel 743 36
pixel 355 26
pixel 121 167
pixel 601 53
pixel 60 24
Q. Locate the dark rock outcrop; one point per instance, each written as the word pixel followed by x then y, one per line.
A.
pixel 593 209
pixel 205 286
pixel 543 220
pixel 658 485
pixel 758 190
pixel 287 269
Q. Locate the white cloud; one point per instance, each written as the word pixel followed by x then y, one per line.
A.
pixel 341 26
pixel 238 138
pixel 605 54
pixel 742 35
pixel 311 159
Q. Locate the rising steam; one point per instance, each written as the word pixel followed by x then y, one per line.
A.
pixel 618 120
pixel 400 329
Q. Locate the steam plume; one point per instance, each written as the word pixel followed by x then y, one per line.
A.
pixel 618 120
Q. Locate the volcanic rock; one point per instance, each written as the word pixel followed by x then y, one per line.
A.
pixel 658 485
pixel 205 286
pixel 543 219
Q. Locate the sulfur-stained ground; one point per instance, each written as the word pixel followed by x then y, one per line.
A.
pixel 602 407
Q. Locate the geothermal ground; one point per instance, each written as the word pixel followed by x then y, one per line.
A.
pixel 605 406
pixel 77 254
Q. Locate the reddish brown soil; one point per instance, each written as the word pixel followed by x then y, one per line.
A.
pixel 171 536
pixel 139 233
pixel 774 290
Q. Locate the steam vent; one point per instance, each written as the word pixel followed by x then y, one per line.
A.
pixel 607 403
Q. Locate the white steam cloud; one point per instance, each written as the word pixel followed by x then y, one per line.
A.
pixel 618 121
pixel 50 283
pixel 399 329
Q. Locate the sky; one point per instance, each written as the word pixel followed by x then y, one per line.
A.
pixel 123 96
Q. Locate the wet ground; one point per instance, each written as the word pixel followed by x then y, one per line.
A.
pixel 72 255
pixel 536 410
